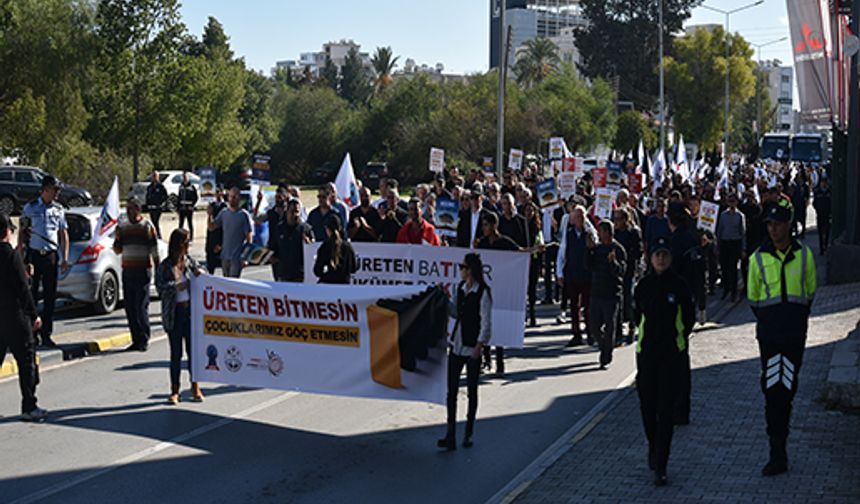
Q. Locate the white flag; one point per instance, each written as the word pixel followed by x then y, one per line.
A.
pixel 109 217
pixel 682 166
pixel 640 153
pixel 346 184
pixel 657 170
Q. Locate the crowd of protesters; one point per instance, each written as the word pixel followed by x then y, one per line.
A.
pixel 648 265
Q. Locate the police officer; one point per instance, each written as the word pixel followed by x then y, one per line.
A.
pixel 18 312
pixel 665 313
pixel 187 200
pixel 47 238
pixel 780 288
pixel 156 198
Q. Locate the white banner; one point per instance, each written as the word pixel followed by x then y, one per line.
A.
pixel 603 203
pixel 320 338
pixel 395 264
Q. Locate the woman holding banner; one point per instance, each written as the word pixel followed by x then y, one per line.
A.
pixel 472 305
pixel 173 282
pixel 335 261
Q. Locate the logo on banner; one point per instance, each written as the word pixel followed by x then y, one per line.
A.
pixel 809 43
pixel 233 359
pixel 273 363
pixel 212 354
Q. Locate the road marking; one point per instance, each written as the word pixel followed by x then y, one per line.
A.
pixel 516 492
pixel 159 447
pixel 588 428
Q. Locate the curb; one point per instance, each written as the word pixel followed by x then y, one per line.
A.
pixel 65 352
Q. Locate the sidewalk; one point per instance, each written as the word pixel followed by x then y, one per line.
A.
pixel 718 457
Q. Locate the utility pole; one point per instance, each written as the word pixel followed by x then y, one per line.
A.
pixel 500 113
pixel 662 81
pixel 728 13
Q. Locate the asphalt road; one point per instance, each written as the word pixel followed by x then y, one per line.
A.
pixel 111 436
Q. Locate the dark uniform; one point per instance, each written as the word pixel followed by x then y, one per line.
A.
pixel 780 288
pixel 665 313
pixel 822 204
pixel 47 223
pixel 687 263
pixel 187 199
pixel 156 199
pixel 18 312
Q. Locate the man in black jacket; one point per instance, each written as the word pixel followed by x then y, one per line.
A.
pixel 822 205
pixel 662 298
pixel 607 262
pixel 156 199
pixel 186 201
pixel 469 225
pixel 18 312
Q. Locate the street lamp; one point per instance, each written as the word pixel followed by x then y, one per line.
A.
pixel 758 85
pixel 728 13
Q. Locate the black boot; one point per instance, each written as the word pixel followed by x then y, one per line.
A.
pixel 448 443
pixel 778 462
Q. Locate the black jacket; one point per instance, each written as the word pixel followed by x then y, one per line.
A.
pixel 515 228
pixel 187 198
pixel 606 277
pixel 658 300
pixel 15 296
pixel 156 197
pixel 346 266
pixel 464 227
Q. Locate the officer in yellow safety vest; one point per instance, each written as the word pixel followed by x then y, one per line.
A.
pixel 780 287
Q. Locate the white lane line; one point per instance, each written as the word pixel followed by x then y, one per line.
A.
pixel 159 447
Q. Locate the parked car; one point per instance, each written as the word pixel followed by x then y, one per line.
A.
pixel 171 180
pixel 326 173
pixel 372 172
pixel 95 277
pixel 21 184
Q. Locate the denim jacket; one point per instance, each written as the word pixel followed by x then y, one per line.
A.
pixel 165 283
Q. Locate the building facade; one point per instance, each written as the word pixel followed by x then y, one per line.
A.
pixel 315 61
pixel 531 19
pixel 780 83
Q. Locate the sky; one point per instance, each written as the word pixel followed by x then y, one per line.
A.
pixel 453 32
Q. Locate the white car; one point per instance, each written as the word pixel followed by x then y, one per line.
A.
pixel 171 180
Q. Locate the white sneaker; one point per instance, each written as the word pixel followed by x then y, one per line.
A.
pixel 702 317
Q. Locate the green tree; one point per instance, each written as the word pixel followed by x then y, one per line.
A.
pixel 354 82
pixel 621 40
pixel 329 74
pixel 141 43
pixel 536 60
pixel 256 114
pixel 383 62
pixel 632 127
pixel 695 83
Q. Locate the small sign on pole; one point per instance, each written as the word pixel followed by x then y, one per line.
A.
pixel 556 148
pixel 567 184
pixel 708 213
pixel 599 176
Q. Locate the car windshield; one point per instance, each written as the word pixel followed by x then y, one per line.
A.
pixel 80 228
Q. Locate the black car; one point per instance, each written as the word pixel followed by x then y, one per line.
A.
pixel 326 173
pixel 21 184
pixel 371 173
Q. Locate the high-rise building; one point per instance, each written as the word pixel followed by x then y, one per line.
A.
pixel 315 61
pixel 531 19
pixel 780 84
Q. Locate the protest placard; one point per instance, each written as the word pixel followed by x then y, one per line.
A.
pixel 437 160
pixel 603 203
pixel 598 177
pixel 566 184
pixel 447 216
pixel 556 148
pixel 635 182
pixel 708 213
pixel 613 173
pixel 547 192
pixel 515 159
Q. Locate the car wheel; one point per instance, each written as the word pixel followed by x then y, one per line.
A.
pixel 7 205
pixel 76 202
pixel 108 295
pixel 172 202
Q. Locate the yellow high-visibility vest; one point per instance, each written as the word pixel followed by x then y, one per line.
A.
pixel 781 277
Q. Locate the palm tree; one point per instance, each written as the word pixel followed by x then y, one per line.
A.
pixel 383 62
pixel 536 59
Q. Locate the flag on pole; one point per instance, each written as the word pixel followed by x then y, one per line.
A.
pixel 109 217
pixel 640 153
pixel 346 184
pixel 682 166
pixel 657 171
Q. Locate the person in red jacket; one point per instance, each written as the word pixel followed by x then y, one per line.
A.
pixel 417 230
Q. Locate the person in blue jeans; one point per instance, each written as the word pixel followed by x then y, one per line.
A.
pixel 173 281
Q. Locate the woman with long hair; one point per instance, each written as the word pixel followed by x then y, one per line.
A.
pixel 472 305
pixel 173 282
pixel 335 262
pixel 534 242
